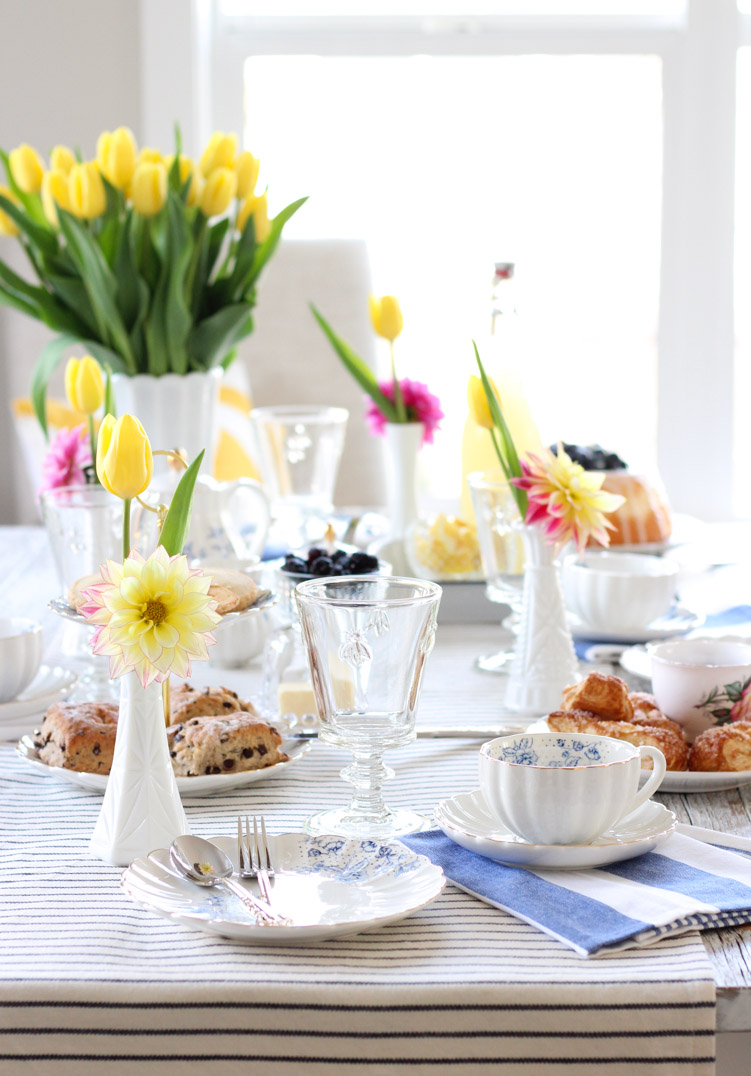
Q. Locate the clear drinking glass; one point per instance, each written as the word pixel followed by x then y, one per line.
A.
pixel 501 550
pixel 367 640
pixel 85 528
pixel 299 450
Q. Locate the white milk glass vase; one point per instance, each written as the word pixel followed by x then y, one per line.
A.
pixel 402 441
pixel 142 809
pixel 544 659
pixel 175 410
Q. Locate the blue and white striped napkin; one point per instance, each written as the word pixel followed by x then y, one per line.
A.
pixel 686 884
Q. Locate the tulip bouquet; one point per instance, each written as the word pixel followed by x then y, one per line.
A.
pixel 550 489
pixel 150 262
pixel 394 400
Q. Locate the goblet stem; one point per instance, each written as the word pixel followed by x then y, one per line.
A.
pixel 367 775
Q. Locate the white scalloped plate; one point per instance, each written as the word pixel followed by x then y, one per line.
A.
pixel 329 886
pixel 209 784
pixel 51 684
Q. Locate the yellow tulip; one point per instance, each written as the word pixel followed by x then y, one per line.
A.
pixel 149 190
pixel 247 168
pixel 479 408
pixel 219 153
pixel 61 160
pixel 55 192
pixel 386 316
pixel 148 155
pixel 84 385
pixel 219 191
pixel 27 168
pixel 257 207
pixel 86 191
pixel 7 225
pixel 187 170
pixel 116 156
pixel 124 463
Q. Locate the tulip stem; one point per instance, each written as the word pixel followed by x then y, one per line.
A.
pixel 92 441
pixel 126 528
pixel 401 410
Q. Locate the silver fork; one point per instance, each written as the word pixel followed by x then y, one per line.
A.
pixel 253 857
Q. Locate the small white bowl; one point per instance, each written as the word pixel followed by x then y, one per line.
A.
pixel 619 591
pixel 702 682
pixel 21 648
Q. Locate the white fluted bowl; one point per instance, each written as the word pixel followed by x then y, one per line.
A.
pixel 20 655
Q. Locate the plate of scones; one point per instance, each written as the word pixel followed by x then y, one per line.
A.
pixel 216 742
pixel 602 705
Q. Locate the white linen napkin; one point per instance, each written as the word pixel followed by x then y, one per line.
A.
pixel 685 884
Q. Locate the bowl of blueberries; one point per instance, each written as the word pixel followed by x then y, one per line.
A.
pixel 319 562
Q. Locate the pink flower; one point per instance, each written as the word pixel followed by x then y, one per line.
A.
pixel 741 710
pixel 422 406
pixel 66 458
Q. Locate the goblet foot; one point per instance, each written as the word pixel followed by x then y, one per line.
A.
pixel 495 663
pixel 382 827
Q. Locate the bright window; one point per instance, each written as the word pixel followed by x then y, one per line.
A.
pixel 445 164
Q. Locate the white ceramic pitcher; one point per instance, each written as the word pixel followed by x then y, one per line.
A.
pixel 229 522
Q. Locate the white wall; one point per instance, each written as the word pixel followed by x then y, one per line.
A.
pixel 67 71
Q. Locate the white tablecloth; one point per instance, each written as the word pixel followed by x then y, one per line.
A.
pixel 91 983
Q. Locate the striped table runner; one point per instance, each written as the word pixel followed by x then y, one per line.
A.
pixel 91 983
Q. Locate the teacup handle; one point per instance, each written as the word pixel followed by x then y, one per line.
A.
pixel 652 783
pixel 249 489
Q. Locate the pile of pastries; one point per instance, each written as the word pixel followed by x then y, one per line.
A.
pixel 602 705
pixel 211 731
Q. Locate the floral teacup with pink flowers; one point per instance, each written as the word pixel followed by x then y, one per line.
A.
pixel 702 682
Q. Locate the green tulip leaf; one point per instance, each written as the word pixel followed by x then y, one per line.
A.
pixel 507 454
pixel 359 369
pixel 269 245
pixel 109 395
pixel 100 285
pixel 41 237
pixel 213 337
pixel 177 521
pixel 47 363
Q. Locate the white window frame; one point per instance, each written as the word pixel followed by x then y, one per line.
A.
pixel 696 338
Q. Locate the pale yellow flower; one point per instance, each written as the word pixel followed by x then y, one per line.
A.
pixel 154 616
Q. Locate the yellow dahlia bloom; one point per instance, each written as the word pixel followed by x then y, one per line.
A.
pixel 154 616
pixel 565 499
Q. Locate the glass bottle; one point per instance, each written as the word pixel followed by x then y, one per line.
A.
pixel 502 354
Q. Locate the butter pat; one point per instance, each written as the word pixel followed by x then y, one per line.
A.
pixel 296 696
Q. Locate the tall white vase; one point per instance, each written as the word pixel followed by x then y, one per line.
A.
pixel 176 410
pixel 544 658
pixel 142 809
pixel 401 448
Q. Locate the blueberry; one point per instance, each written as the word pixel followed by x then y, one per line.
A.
pixel 322 565
pixel 296 565
pixel 360 563
pixel 339 556
pixel 314 553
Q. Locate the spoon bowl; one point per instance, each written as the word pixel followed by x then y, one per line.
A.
pixel 202 862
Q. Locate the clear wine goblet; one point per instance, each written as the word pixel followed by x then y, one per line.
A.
pixel 501 551
pixel 368 640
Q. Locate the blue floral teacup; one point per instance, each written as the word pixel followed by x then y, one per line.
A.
pixel 564 788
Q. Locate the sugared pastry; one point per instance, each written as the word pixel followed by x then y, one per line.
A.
pixel 229 744
pixel 75 594
pixel 79 736
pixel 600 694
pixel 672 746
pixel 723 748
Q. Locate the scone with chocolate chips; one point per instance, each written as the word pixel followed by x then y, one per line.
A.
pixel 230 744
pixel 78 736
pixel 188 701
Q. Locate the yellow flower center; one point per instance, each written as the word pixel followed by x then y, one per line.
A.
pixel 154 610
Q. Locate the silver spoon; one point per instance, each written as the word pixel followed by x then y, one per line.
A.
pixel 203 863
